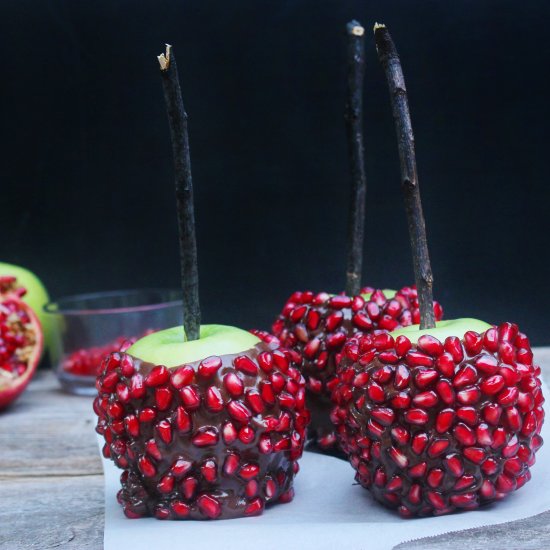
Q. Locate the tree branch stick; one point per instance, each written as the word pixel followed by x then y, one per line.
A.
pixel 354 127
pixel 389 59
pixel 177 119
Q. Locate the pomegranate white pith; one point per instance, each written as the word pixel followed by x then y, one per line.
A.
pixel 21 341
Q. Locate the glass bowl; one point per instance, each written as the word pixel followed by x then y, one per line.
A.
pixel 87 327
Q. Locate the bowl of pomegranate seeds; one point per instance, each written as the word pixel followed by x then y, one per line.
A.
pixel 87 327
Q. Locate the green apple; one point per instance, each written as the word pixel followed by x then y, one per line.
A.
pixel 36 296
pixel 443 329
pixel 169 348
pixel 388 293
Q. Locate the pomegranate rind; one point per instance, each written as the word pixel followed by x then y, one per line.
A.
pixel 11 387
pixel 438 426
pixel 36 296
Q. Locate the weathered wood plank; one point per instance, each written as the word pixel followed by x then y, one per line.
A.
pixel 47 432
pixel 52 512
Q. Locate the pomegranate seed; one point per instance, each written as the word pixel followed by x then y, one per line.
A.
pixel 158 376
pixel 402 345
pixel 475 454
pixel 182 376
pixel 375 429
pixel 163 398
pixel 464 482
pixel 209 471
pixel 418 417
pixel 464 500
pixel 166 484
pixel 444 420
pixel 214 399
pixel 505 484
pixel 239 411
pixel 473 343
pixel 146 467
pixel 491 413
pixel 313 319
pixel 246 435
pixel 425 378
pixel 181 467
pixel 400 435
pixel 430 345
pixel 189 486
pixel 514 419
pixel 209 366
pixel 415 494
pixel 419 442
pixel 132 425
pixel 402 377
pixel 445 391
pixel 465 377
pixel 445 364
pixel 394 484
pixel 152 449
pixel 137 386
pixel 454 465
pixel 508 396
pixel 418 359
pixel 233 384
pixel 418 470
pixel 425 399
pixel 206 438
pixel 487 489
pixel 339 302
pixel 249 471
pixel 265 360
pixel 453 345
pixel 398 457
pixel 438 447
pixel 383 415
pixel 209 506
pixel 245 365
pixel 487 364
pixel 375 392
pixel 401 401
pixel 490 340
pixel 164 429
pixel 483 435
pixel 182 420
pixel 492 385
pixel 469 396
pixel 435 477
pixel 286 400
pixel 231 464
pixel 278 382
pixel 190 397
pixel 499 438
pixel 335 340
pixel 180 508
pixel 464 435
pixel 511 448
pixel 436 499
pixel 333 321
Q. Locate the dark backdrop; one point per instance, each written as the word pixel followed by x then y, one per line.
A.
pixel 87 184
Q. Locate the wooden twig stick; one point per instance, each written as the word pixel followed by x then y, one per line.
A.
pixel 354 126
pixel 389 59
pixel 177 119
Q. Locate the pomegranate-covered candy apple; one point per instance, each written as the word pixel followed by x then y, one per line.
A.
pixel 441 419
pixel 203 429
pixel 317 325
pixel 20 340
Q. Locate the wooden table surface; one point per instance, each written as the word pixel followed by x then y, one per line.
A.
pixel 51 480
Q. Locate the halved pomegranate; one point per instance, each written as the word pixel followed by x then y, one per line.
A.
pixel 21 341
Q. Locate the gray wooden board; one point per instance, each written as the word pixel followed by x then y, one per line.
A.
pixel 51 481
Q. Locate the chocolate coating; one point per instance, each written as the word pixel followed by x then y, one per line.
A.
pixel 194 447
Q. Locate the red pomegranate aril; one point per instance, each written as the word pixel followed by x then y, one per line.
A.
pixel 233 384
pixel 246 435
pixel 209 366
pixel 249 471
pixel 469 395
pixel 508 396
pixel 445 391
pixel 468 415
pixel 146 467
pixel 402 345
pixel 190 397
pixel 464 500
pixel 430 345
pixel 163 398
pixel 454 465
pixel 214 399
pixel 464 434
pixel 491 413
pixel 446 365
pixel 473 343
pixel 398 457
pixel 383 415
pixel 435 477
pixel 399 434
pixel 164 429
pixel 180 508
pixel 487 364
pixel 166 484
pixel 418 470
pixel 475 454
pixel 206 438
pixel 426 399
pixel 464 482
pixel 182 376
pixel 394 484
pixel 419 443
pixel 415 494
pixel 453 345
pixel 181 467
pixel 483 434
pixel 401 401
pixel 418 359
pixel 465 377
pixel 182 420
pixel 376 392
pixel 239 411
pixel 438 447
pixel 158 376
pixel 418 417
pixel 402 377
pixel 152 449
pixel 245 365
pixel 231 464
pixel 209 506
pixel 132 425
pixel 425 378
pixel 444 420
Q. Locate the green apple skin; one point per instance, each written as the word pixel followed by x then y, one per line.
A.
pixel 36 296
pixel 170 348
pixel 443 329
pixel 388 293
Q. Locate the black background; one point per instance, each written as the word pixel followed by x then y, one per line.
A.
pixel 86 171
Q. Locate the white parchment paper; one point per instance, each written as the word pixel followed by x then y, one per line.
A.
pixel 328 512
